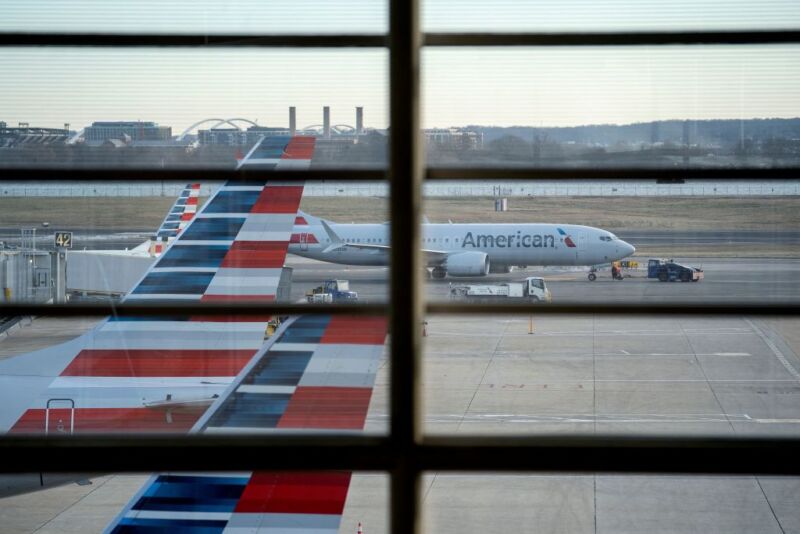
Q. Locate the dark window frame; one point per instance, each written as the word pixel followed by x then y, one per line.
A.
pixel 405 453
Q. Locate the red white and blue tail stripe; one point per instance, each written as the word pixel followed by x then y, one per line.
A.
pixel 178 217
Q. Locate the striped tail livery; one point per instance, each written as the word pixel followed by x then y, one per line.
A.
pixel 213 375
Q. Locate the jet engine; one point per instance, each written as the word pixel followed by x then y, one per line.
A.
pixel 467 264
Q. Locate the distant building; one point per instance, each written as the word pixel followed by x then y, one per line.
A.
pixel 457 138
pixel 236 137
pixel 100 132
pixel 28 135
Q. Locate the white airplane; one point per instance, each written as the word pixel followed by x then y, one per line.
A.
pixel 461 249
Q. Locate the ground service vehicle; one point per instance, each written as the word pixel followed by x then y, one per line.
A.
pixel 531 289
pixel 332 291
pixel 669 271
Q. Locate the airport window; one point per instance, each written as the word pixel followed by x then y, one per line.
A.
pixel 724 339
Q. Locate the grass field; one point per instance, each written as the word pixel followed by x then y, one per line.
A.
pixel 122 214
pixel 616 214
pixel 611 213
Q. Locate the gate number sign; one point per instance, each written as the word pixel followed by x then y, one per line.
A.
pixel 64 239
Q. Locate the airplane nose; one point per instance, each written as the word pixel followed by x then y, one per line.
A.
pixel 627 249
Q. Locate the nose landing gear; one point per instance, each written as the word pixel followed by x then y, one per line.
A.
pixel 616 273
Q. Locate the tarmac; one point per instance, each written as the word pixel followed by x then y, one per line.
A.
pixel 726 280
pixel 579 374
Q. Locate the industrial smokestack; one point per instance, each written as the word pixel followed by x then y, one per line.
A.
pixel 292 120
pixel 359 120
pixel 326 122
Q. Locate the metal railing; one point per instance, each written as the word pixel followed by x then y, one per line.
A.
pixel 405 453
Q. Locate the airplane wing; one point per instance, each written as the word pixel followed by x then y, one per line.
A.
pixel 432 257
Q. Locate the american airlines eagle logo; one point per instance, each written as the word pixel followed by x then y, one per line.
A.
pixel 567 239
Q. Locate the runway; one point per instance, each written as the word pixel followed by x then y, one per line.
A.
pixel 754 281
pixel 600 375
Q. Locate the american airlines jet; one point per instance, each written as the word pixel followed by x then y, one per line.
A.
pixel 461 249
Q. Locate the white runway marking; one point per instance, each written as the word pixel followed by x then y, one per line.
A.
pixel 611 418
pixel 673 354
pixel 432 332
pixel 775 350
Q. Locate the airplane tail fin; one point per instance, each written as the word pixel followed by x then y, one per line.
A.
pixel 276 153
pixel 179 215
pixel 235 247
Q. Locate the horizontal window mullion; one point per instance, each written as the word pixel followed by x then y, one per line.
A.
pixel 616 454
pixel 625 173
pixel 379 41
pixel 192 40
pixel 43 176
pixel 612 38
pixel 673 454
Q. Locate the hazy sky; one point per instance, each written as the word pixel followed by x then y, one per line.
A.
pixel 546 86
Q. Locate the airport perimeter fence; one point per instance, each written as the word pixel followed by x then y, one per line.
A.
pixel 405 453
pixel 575 188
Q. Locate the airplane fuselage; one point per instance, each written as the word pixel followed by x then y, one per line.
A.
pixel 504 244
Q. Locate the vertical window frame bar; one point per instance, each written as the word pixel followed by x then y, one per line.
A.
pixel 405 172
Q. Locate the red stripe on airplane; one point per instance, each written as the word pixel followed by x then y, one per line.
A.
pixel 278 199
pixel 311 239
pixel 294 493
pixel 133 420
pixel 356 330
pixel 301 221
pixel 161 363
pixel 299 148
pixel 191 201
pixel 327 407
pixel 195 186
pixel 256 254
pixel 187 216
